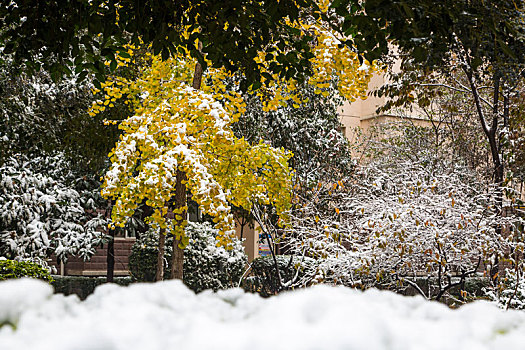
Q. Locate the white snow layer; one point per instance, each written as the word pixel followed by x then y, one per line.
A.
pixel 167 315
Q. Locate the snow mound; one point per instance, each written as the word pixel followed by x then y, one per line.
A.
pixel 167 315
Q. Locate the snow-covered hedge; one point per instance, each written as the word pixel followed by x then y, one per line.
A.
pixel 206 266
pixel 167 315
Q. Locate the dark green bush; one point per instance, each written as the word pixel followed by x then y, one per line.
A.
pixel 206 266
pixel 10 269
pixel 264 280
pixel 83 286
pixel 143 257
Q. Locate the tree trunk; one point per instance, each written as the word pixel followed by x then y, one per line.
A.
pixel 495 149
pixel 159 275
pixel 110 254
pixel 180 200
pixel 110 257
pixel 177 259
pixel 197 75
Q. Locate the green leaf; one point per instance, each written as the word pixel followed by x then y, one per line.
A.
pixel 106 52
pixel 336 4
pixel 256 85
pixel 124 54
pixel 100 77
pixel 9 48
pixel 476 62
pixel 506 49
pixel 419 53
pixel 82 76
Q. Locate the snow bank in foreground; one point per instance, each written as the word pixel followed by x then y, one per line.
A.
pixel 169 316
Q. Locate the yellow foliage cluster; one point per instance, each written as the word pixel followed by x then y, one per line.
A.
pixel 332 61
pixel 176 127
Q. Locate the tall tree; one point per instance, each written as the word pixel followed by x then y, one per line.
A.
pixel 181 138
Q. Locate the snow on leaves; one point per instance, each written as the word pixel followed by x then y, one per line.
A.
pixel 177 128
pixel 400 217
pixel 41 215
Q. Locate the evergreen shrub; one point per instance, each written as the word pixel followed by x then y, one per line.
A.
pixel 83 286
pixel 264 280
pixel 10 269
pixel 206 266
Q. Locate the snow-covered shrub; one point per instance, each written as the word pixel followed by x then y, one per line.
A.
pixel 10 269
pixel 406 214
pixel 41 213
pixel 206 266
pixel 510 293
pixel 143 257
pixel 297 271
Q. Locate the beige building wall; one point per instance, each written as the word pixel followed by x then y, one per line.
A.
pixel 362 114
pixel 353 114
pixel 250 242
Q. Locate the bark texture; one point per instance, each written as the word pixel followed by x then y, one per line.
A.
pixel 159 274
pixel 177 260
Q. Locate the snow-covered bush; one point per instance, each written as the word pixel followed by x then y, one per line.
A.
pixel 297 271
pixel 510 293
pixel 408 213
pixel 206 266
pixel 41 213
pixel 10 269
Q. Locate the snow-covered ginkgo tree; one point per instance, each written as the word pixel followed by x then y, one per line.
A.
pixel 180 138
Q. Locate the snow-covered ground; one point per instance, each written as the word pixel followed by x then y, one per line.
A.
pixel 169 316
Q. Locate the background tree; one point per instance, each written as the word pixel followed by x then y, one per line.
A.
pixel 308 127
pixel 45 120
pixel 39 116
pixel 478 45
pixel 81 35
pixel 310 130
